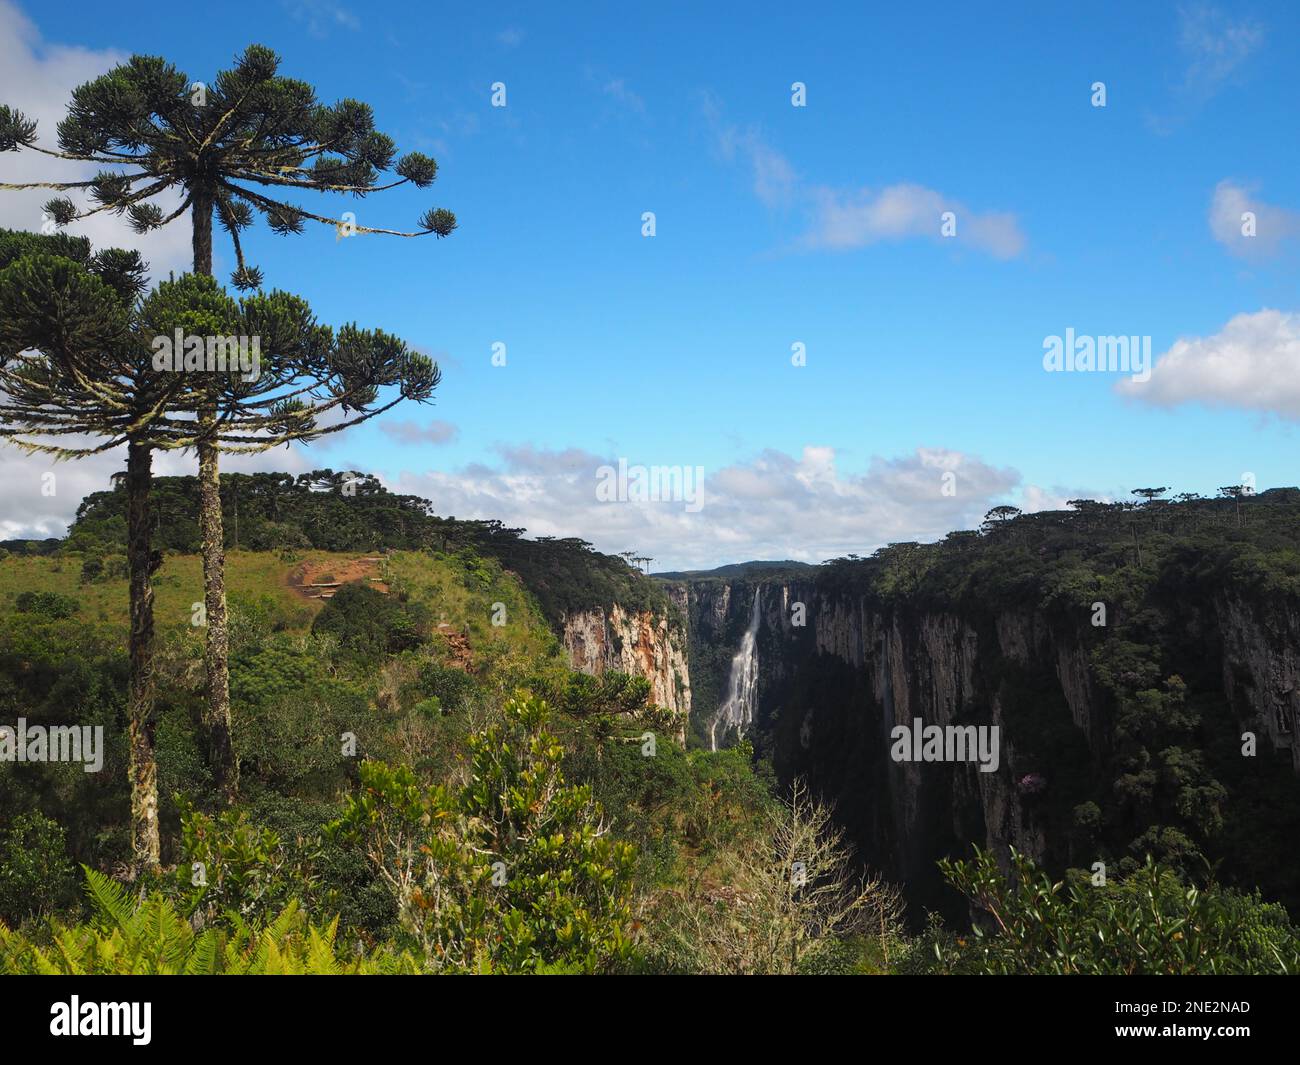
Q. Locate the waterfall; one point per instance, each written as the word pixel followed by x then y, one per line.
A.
pixel 742 685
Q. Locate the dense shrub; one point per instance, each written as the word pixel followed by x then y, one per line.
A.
pixel 1147 923
pixel 369 624
pixel 36 876
pixel 512 871
pixel 49 605
pixel 129 936
pixel 451 687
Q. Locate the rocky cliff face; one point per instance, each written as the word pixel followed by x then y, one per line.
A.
pixel 640 643
pixel 832 688
pixel 1261 667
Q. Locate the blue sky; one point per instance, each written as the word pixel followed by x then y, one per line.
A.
pixel 778 224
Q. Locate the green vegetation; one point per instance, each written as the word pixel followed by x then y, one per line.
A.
pixel 442 794
pixel 1149 923
pixel 1167 777
pixel 515 869
pixel 611 837
pixel 563 829
pixel 362 722
pixel 342 511
pixel 150 938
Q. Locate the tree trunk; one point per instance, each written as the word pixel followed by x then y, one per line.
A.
pixel 143 769
pixel 201 213
pixel 216 654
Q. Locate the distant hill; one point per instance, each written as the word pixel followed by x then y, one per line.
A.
pixel 342 511
pixel 736 569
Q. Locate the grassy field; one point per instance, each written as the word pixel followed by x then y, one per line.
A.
pixel 474 596
pixel 178 585
pixel 460 592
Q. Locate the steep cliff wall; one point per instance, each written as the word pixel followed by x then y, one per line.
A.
pixel 641 643
pixel 831 689
pixel 1261 666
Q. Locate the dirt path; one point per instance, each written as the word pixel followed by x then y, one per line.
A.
pixel 321 579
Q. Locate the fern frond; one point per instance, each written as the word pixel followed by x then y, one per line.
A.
pixel 72 950
pixel 320 953
pixel 205 958
pixel 273 961
pixel 112 902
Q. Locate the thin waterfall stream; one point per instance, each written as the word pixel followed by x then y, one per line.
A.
pixel 737 710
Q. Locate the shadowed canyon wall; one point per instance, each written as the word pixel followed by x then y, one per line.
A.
pixel 830 691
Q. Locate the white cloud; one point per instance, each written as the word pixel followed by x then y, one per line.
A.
pixel 1035 498
pixel 774 505
pixel 903 212
pixel 37 78
pixel 1273 225
pixel 510 37
pixel 1252 363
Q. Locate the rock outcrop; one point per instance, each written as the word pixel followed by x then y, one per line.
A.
pixel 641 643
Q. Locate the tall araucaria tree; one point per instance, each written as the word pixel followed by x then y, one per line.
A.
pixel 77 357
pixel 308 381
pixel 233 148
pixel 71 366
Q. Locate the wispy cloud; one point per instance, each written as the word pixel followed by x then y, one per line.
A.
pixel 510 37
pixel 411 432
pixel 843 219
pixel 775 181
pixel 1215 45
pixel 1247 226
pixel 321 16
pixel 617 90
pixel 1212 50
pixel 905 212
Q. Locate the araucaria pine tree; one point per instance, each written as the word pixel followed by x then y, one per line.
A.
pixel 232 149
pixel 72 366
pixel 79 355
pixel 306 381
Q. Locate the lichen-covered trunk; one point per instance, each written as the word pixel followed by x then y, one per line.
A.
pixel 140 727
pixel 216 651
pixel 216 654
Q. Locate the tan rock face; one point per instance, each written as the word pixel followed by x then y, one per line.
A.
pixel 642 644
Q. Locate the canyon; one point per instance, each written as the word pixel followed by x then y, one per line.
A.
pixel 817 674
